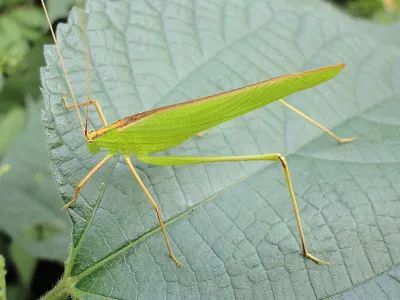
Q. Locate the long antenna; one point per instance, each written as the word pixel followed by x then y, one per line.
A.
pixel 87 59
pixel 88 70
pixel 64 68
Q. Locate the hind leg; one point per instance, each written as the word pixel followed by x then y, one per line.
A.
pixel 317 124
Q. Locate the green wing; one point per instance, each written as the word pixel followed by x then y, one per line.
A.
pixel 162 128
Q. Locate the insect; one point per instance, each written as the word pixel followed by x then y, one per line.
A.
pixel 162 128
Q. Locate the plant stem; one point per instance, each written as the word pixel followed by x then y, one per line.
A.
pixel 60 292
pixel 3 273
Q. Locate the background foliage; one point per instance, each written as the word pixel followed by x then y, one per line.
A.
pixel 45 231
pixel 33 230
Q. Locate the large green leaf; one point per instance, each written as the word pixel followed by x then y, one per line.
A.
pixel 231 224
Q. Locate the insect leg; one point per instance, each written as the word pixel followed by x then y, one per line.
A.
pixel 156 208
pixel 317 124
pixel 85 179
pixel 186 160
pixel 87 103
pixel 201 133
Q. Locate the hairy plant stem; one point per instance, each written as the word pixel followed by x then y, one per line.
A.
pixel 61 291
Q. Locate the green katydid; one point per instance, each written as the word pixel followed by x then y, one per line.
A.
pixel 162 128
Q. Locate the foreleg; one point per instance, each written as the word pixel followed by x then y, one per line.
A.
pixel 85 179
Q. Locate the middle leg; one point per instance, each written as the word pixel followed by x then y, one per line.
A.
pixel 156 208
pixel 187 160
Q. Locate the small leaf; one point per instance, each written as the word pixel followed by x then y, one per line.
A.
pixel 29 16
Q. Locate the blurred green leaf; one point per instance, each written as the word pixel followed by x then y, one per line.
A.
pixel 25 80
pixel 24 263
pixel 10 126
pixel 19 26
pixel 30 212
pixel 10 2
pixel 14 292
pixel 364 8
pixel 12 46
pixel 29 17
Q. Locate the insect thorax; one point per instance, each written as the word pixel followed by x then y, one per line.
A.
pixel 93 146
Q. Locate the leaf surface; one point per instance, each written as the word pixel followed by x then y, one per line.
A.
pixel 231 224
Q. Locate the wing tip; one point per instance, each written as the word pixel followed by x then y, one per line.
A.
pixel 339 66
pixel 336 67
pixel 330 70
